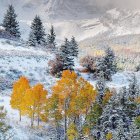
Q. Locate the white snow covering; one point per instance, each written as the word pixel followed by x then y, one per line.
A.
pixel 17 60
pixel 33 63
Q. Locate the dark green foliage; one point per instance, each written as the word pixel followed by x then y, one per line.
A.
pixel 107 65
pixel 37 34
pixel 74 47
pixel 10 23
pixel 67 58
pixel 51 37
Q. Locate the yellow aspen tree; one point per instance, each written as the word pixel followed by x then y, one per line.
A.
pixel 72 132
pixel 82 103
pixel 19 89
pixel 75 96
pixel 40 95
pixel 28 105
pixel 65 88
pixel 54 109
pixel 34 102
pixel 54 112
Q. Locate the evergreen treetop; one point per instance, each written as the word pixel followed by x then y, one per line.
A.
pixel 65 54
pixel 74 47
pixel 37 34
pixel 10 23
pixel 51 37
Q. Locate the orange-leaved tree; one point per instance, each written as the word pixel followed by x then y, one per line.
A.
pixel 34 102
pixel 75 97
pixel 19 89
pixel 65 89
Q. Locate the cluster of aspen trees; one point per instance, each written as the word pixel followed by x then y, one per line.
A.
pixel 71 103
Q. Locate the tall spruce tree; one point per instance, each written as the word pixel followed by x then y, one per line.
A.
pixel 10 23
pixel 67 59
pixel 114 118
pixel 37 34
pixel 74 47
pixel 100 87
pixel 133 94
pixel 107 64
pixel 51 37
pixel 133 89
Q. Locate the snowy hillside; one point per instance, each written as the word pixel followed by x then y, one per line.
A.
pixel 17 60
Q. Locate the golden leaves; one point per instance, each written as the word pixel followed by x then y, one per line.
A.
pixel 71 96
pixel 28 100
pixel 109 136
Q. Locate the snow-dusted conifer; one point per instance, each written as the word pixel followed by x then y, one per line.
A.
pixel 134 132
pixel 133 89
pixel 107 64
pixel 100 86
pixel 113 116
pixel 51 37
pixel 10 23
pixel 74 47
pixel 37 34
pixel 65 54
pixel 6 132
pixel 120 132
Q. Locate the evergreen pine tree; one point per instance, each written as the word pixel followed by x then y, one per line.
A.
pixel 114 117
pixel 74 47
pixel 65 54
pixel 10 23
pixel 5 130
pixel 51 37
pixel 120 132
pixel 133 93
pixel 37 34
pixel 100 86
pixel 107 64
pixel 134 132
pixel 133 89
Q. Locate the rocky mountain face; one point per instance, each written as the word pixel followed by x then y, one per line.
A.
pixel 55 9
pixel 81 18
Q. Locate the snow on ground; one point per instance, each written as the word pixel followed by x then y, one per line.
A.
pixel 17 60
pixel 119 80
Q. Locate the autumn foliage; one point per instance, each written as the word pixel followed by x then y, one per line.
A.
pixel 72 103
pixel 19 89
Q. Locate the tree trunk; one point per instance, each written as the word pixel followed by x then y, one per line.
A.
pixel 65 124
pixel 32 120
pixel 20 115
pixel 38 120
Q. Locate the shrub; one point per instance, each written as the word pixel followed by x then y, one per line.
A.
pixel 89 62
pixel 56 66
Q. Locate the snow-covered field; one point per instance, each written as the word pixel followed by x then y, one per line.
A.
pixel 17 60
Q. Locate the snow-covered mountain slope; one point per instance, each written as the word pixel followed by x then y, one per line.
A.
pixel 17 60
pixel 113 23
pixel 81 18
pixel 55 9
